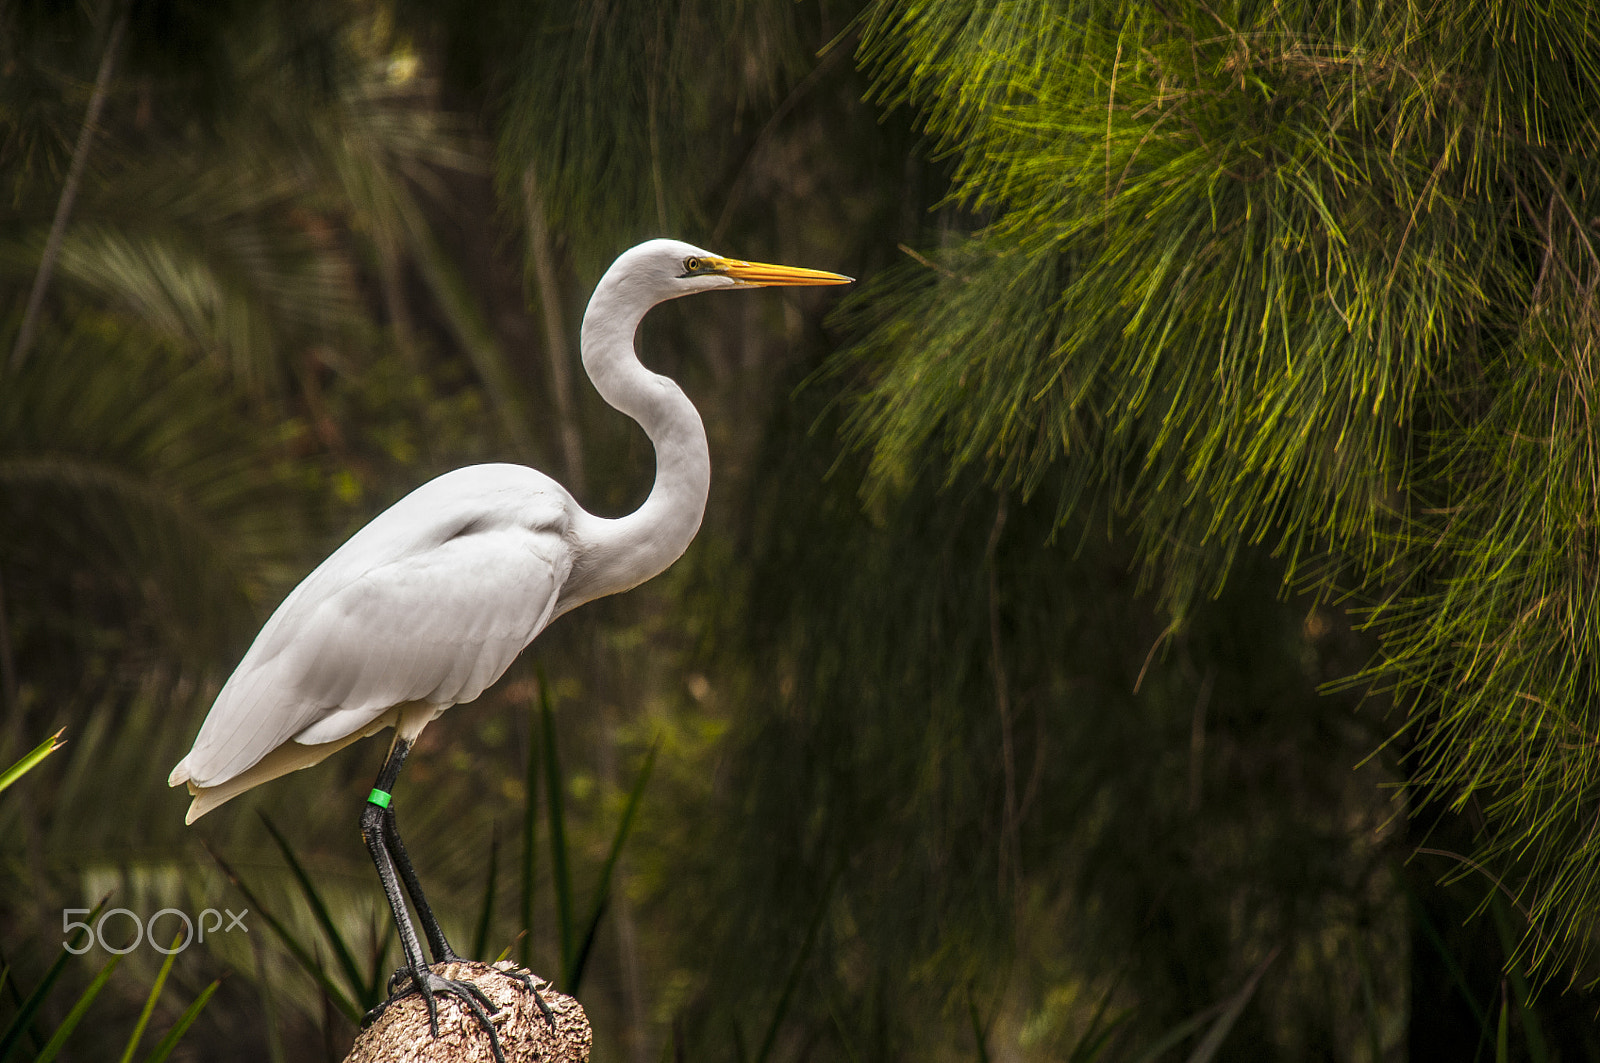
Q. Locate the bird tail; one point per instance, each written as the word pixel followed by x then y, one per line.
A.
pixel 291 756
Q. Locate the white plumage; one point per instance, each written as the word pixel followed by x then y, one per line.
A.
pixel 429 604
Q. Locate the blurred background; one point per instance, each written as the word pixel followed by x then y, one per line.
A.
pixel 1147 617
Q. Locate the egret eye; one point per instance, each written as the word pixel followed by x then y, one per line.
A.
pixel 691 265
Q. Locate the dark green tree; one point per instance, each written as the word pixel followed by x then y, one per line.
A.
pixel 1314 277
pixel 988 728
pixel 200 401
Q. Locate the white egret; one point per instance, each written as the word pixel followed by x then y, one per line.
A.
pixel 427 605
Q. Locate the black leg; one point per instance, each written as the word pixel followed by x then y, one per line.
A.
pixel 372 832
pixel 442 952
pixel 376 819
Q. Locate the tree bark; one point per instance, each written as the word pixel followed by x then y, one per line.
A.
pixel 401 1034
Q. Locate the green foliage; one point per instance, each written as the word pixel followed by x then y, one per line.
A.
pixel 627 123
pixel 27 1008
pixel 80 1009
pixel 30 760
pixel 21 1025
pixel 365 990
pixel 355 990
pixel 1029 788
pixel 167 1043
pixel 576 938
pixel 368 986
pixel 139 495
pixel 574 969
pixel 1314 276
pixel 209 399
pixel 1211 282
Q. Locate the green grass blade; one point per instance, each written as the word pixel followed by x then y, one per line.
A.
pixel 781 1009
pixel 602 890
pixel 1458 977
pixel 1093 1043
pixel 31 760
pixel 586 946
pixel 270 1010
pixel 150 1000
pixel 19 1024
pixel 674 1049
pixel 554 811
pixel 341 950
pixel 464 316
pixel 1533 1039
pixel 1221 1016
pixel 480 936
pixel 301 956
pixel 164 1048
pixel 1369 1003
pixel 530 837
pixel 1232 1008
pixel 375 988
pixel 1502 1036
pixel 850 1053
pixel 978 1033
pixel 52 1047
pixel 22 1020
pixel 1175 1036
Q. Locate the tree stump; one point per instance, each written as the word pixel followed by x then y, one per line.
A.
pixel 401 1034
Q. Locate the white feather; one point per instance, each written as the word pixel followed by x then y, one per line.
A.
pixel 429 603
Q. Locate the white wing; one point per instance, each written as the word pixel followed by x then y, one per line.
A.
pixel 430 602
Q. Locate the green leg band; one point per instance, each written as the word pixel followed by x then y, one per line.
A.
pixel 379 798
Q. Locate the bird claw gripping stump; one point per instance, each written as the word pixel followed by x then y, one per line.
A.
pixel 460 1013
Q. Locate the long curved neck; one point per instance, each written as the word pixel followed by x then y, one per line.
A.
pixel 616 555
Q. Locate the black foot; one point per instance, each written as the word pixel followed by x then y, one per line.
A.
pixel 531 984
pixel 428 984
pixel 528 982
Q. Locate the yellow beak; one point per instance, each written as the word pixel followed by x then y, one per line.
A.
pixel 762 273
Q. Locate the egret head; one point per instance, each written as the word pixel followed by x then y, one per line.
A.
pixel 666 269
